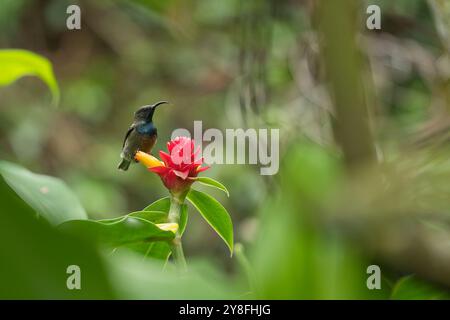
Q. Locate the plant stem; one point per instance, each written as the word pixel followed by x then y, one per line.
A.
pixel 177 247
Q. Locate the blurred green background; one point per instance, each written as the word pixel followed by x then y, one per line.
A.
pixel 364 131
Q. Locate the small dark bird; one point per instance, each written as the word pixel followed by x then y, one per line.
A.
pixel 141 136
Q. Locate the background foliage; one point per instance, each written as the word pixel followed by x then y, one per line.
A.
pixel 364 145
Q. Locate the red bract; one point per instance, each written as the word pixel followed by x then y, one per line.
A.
pixel 181 164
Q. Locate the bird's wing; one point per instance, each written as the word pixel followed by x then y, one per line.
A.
pixel 130 129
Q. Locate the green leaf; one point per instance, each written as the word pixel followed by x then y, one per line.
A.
pixel 413 288
pixel 156 212
pixel 34 257
pixel 16 63
pixel 125 231
pixel 183 218
pixel 49 196
pixel 212 183
pixel 163 205
pixel 157 250
pixel 152 216
pixel 139 279
pixel 215 214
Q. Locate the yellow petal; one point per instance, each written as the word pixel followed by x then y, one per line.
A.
pixel 148 160
pixel 168 227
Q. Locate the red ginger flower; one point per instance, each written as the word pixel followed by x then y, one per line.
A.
pixel 179 166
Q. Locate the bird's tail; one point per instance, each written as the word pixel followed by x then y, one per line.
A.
pixel 123 165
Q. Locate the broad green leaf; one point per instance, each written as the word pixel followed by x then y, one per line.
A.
pixel 152 216
pixel 212 183
pixel 137 278
pixel 15 64
pixel 157 250
pixel 215 214
pixel 49 196
pixel 155 213
pixel 413 288
pixel 34 257
pixel 126 231
pixel 183 218
pixel 164 206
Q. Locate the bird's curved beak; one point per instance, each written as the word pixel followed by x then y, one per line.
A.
pixel 159 103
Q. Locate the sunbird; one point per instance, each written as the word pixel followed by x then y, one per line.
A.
pixel 141 135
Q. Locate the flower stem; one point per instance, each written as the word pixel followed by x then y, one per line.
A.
pixel 177 247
